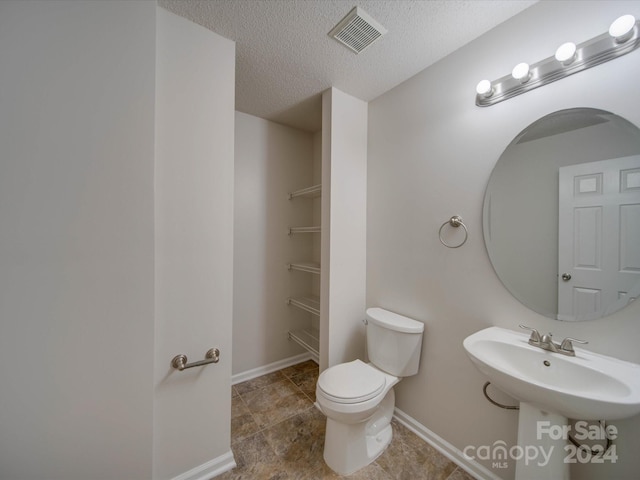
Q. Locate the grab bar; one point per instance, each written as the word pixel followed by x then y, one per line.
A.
pixel 179 362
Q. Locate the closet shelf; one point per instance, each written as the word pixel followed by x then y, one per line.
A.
pixel 309 339
pixel 309 192
pixel 294 230
pixel 305 267
pixel 309 303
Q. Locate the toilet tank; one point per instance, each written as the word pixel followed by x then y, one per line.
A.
pixel 394 342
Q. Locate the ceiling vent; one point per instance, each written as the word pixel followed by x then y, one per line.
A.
pixel 357 30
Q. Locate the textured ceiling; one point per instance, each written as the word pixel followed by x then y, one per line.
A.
pixel 285 59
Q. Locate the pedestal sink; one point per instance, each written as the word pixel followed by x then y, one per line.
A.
pixel 552 387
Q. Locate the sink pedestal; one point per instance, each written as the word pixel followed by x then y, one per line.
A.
pixel 585 385
pixel 541 445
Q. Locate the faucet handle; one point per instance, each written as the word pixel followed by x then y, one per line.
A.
pixel 567 344
pixel 535 335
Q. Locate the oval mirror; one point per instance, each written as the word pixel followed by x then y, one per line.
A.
pixel 561 215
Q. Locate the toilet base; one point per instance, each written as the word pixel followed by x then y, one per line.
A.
pixel 350 447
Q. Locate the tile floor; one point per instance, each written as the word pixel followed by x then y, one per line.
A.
pixel 278 434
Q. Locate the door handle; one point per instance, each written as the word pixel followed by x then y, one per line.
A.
pixel 566 277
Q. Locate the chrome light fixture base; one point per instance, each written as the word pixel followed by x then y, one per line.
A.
pixel 588 54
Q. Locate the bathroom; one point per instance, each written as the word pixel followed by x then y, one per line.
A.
pixel 112 230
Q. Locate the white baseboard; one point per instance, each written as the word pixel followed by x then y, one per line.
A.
pixel 210 469
pixel 452 453
pixel 272 367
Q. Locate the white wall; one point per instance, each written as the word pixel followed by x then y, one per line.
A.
pixel 344 227
pixel 195 76
pixel 271 160
pixel 76 239
pixel 78 256
pixel 431 152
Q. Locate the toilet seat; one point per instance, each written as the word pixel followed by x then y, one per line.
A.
pixel 351 382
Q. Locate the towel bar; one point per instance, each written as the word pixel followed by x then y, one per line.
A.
pixel 179 362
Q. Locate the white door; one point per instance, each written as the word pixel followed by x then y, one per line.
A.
pixel 598 232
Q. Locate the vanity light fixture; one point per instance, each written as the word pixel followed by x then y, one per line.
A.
pixel 622 28
pixel 484 88
pixel 521 72
pixel 566 53
pixel 623 37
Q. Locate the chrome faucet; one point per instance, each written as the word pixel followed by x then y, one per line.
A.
pixel 546 342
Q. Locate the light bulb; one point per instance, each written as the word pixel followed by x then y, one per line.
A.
pixel 566 53
pixel 622 28
pixel 484 88
pixel 521 72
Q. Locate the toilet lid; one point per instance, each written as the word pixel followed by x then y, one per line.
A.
pixel 351 382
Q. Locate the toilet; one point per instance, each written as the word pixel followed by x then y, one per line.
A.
pixel 358 397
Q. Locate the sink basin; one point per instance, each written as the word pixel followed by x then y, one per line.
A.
pixel 588 386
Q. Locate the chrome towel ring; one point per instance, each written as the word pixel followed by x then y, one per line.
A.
pixel 455 221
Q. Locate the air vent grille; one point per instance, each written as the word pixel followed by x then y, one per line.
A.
pixel 357 30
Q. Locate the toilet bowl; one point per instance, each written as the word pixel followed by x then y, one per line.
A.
pixel 358 398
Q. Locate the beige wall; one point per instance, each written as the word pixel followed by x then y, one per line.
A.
pixel 271 160
pixel 116 241
pixel 195 75
pixel 344 227
pixel 431 152
pixel 76 239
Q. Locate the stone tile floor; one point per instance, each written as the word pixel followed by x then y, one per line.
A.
pixel 278 434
